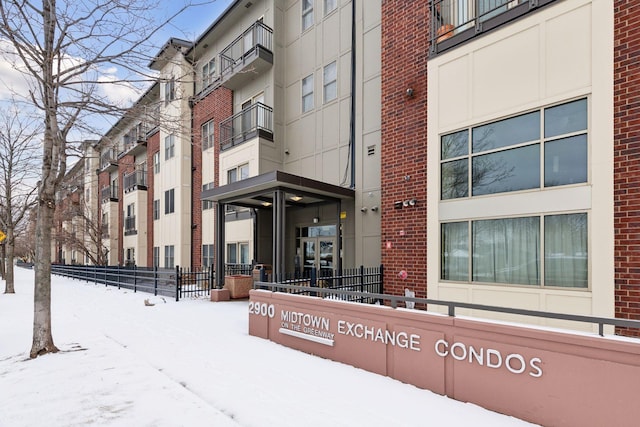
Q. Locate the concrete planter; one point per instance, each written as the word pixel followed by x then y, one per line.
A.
pixel 238 285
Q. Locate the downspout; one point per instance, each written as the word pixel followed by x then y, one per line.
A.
pixel 352 119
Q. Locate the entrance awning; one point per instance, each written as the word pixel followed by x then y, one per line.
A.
pixel 275 191
pixel 258 191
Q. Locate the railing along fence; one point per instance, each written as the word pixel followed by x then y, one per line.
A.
pixel 451 306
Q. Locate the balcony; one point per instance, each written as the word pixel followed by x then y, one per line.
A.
pixel 250 54
pixel 109 193
pixel 136 180
pixel 130 226
pixel 255 121
pixel 109 161
pixel 135 142
pixel 454 22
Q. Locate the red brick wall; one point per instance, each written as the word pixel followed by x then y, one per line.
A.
pixel 125 165
pixel 404 144
pixel 153 146
pixel 627 161
pixel 216 106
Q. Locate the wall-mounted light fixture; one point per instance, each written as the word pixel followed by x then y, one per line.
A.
pixel 316 220
pixel 363 209
pixel 410 92
pixel 374 209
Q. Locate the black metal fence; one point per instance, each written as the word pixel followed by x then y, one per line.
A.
pixel 364 280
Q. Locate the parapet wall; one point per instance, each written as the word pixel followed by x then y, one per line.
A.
pixel 542 376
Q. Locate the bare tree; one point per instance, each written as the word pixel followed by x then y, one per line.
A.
pixel 18 175
pixel 62 46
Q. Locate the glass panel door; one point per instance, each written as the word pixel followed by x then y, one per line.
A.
pixel 308 255
pixel 326 256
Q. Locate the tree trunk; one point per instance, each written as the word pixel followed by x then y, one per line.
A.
pixel 42 336
pixel 8 259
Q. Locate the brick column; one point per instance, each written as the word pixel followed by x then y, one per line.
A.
pixel 405 45
pixel 627 161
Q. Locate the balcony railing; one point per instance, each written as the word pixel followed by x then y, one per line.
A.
pixel 136 180
pixel 456 21
pixel 130 225
pixel 109 193
pixel 109 160
pixel 135 142
pixel 251 50
pixel 254 121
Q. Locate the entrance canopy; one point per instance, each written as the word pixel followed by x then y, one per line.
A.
pixel 275 191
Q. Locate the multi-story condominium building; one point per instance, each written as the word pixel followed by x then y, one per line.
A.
pixel 77 232
pixel 484 151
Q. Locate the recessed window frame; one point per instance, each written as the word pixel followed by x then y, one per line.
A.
pixel 169 201
pixel 330 82
pixel 207 135
pixel 306 85
pixel 307 14
pixel 169 146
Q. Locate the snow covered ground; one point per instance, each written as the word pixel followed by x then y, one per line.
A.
pixel 187 363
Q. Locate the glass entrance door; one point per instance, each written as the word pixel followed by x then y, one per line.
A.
pixel 318 252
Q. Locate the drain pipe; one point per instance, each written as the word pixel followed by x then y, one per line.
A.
pixel 352 125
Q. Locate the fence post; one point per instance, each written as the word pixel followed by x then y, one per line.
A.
pixel 118 275
pixel 313 278
pixel 155 280
pixel 361 281
pixel 211 277
pixel 135 282
pixel 178 283
pixel 105 277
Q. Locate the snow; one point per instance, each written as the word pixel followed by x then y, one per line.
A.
pixel 187 363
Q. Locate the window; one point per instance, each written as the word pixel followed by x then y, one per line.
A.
pixel 131 256
pixel 208 73
pixel 207 256
pixel 330 82
pixel 307 14
pixel 156 209
pixel 238 174
pixel 504 156
pixel 207 135
pixel 169 261
pixel 307 93
pixel 546 250
pixel 169 146
pixel 170 90
pixel 156 162
pixel 169 204
pixel 238 253
pixel 330 6
pixel 156 256
pixel 207 204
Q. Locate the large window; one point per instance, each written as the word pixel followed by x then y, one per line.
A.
pixel 330 82
pixel 208 73
pixel 506 155
pixel 548 250
pixel 238 173
pixel 207 204
pixel 238 253
pixel 169 146
pixel 330 6
pixel 170 90
pixel 207 135
pixel 156 162
pixel 307 14
pixel 169 202
pixel 207 256
pixel 169 256
pixel 307 93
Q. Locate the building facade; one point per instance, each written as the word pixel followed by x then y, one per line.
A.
pixel 483 151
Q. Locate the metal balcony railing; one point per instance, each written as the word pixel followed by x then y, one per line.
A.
pixel 243 49
pixel 109 159
pixel 109 193
pixel 251 122
pixel 455 21
pixel 135 180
